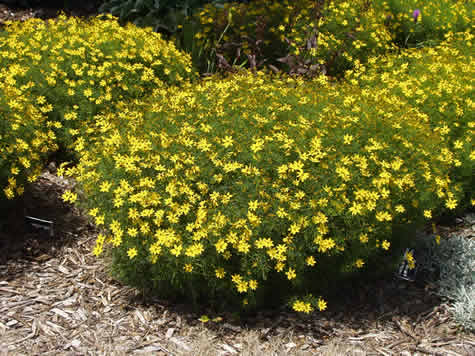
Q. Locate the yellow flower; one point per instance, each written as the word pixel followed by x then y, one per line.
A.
pixel 364 238
pixel 220 273
pixel 347 139
pixel 322 305
pixel 253 284
pixel 385 245
pixel 291 274
pixel 428 214
pixel 437 239
pixel 411 262
pixel 311 261
pixel 300 306
pixel 204 319
pixel 69 196
pixel 97 249
pixel 188 267
pixel 100 220
pixel 451 203
pixel 400 209
pixel 359 263
pixel 132 252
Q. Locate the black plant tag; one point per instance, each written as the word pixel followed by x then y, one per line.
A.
pixel 404 270
pixel 35 224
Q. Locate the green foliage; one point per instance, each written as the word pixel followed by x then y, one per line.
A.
pixel 163 15
pixel 436 19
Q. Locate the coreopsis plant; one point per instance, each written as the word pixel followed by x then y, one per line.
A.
pixel 26 136
pixel 309 37
pixel 439 83
pixel 82 67
pixel 247 185
pixel 338 34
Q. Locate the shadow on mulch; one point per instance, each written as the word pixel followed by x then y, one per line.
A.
pixel 19 240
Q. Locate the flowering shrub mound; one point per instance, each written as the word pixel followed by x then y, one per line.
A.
pixel 440 83
pixel 26 136
pixel 227 186
pixel 72 70
pixel 308 36
pixel 82 67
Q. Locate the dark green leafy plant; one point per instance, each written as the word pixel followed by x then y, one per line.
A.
pixel 164 16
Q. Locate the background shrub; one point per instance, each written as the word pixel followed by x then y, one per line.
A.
pixel 82 67
pixel 165 16
pixel 305 37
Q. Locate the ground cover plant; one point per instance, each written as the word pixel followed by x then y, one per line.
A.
pixel 440 84
pixel 73 69
pixel 450 263
pixel 229 185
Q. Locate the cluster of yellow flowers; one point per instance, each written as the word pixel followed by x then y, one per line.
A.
pixel 439 82
pixel 26 137
pixel 238 179
pixel 56 75
pixel 417 22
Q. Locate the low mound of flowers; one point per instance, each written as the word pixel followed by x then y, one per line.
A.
pixel 231 187
pixel 72 70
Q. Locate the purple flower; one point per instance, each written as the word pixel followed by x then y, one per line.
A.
pixel 415 14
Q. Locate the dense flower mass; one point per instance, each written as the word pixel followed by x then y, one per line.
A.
pixel 81 67
pixel 26 137
pixel 56 75
pixel 239 179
